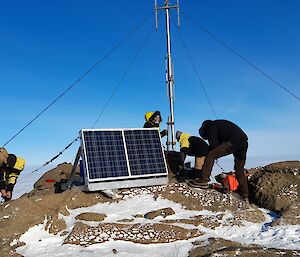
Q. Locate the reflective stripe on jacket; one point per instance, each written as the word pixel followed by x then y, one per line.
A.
pixel 9 176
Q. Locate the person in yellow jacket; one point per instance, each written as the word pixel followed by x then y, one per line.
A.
pixel 9 172
pixel 153 119
pixel 192 146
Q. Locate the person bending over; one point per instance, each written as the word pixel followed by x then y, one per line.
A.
pixel 225 138
pixel 9 172
pixel 192 146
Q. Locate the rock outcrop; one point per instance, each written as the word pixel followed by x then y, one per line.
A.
pixel 276 186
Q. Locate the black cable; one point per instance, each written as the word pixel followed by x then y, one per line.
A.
pixel 217 162
pixel 61 152
pixel 195 69
pixel 124 75
pixel 198 76
pixel 108 101
pixel 243 58
pixel 48 162
pixel 80 78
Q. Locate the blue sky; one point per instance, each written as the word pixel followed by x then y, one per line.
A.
pixel 46 45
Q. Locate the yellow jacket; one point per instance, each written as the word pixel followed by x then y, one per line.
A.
pixel 184 140
pixel 8 176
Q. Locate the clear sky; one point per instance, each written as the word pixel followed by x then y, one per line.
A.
pixel 46 45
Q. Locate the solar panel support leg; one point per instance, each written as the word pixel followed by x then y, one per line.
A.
pixel 70 180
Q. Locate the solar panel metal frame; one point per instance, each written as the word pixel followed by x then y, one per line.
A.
pixel 122 181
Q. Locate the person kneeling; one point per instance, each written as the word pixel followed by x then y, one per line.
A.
pixel 9 172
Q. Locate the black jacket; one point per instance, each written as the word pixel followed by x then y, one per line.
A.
pixel 220 131
pixel 198 147
pixel 148 124
pixel 193 146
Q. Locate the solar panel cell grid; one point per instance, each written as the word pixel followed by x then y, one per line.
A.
pixel 105 154
pixel 107 157
pixel 144 152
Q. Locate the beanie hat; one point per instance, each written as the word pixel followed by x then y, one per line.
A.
pixel 178 135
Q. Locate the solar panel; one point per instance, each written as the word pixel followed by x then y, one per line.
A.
pixel 105 154
pixel 118 158
pixel 144 152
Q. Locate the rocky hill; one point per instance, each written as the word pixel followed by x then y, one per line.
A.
pixel 194 222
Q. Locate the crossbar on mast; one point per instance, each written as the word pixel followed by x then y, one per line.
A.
pixel 170 76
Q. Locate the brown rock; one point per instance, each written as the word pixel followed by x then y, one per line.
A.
pixel 291 216
pixel 89 216
pixel 137 233
pixel 276 186
pixel 47 183
pixel 161 212
pixel 56 225
pixel 222 247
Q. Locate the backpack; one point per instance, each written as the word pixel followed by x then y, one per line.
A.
pixel 228 181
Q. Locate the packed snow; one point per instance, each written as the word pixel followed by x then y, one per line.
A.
pixel 38 242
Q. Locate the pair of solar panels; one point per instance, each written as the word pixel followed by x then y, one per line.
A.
pixel 121 158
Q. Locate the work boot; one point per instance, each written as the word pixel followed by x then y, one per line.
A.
pixel 198 184
pixel 192 173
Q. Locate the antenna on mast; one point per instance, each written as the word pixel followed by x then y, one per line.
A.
pixel 178 16
pixel 170 69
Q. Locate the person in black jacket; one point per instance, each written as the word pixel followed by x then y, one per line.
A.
pixel 225 138
pixel 192 146
pixel 153 119
pixel 189 146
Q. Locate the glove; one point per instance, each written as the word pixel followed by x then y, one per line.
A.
pixel 164 133
pixel 3 193
pixel 8 196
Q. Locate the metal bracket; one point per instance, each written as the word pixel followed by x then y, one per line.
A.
pixel 70 180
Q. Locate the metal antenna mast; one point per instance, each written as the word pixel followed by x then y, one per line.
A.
pixel 170 74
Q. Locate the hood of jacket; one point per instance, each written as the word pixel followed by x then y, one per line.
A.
pixel 149 116
pixel 184 140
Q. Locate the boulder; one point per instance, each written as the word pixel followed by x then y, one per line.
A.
pixel 275 186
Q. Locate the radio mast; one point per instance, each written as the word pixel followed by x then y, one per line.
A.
pixel 170 69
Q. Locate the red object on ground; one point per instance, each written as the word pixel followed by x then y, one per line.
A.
pixel 230 182
pixel 50 180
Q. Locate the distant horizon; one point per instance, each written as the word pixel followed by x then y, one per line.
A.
pixel 27 179
pixel 228 158
pixel 271 157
